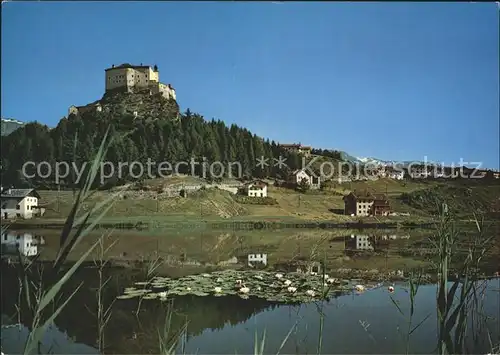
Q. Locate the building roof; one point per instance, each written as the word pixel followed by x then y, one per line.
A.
pixel 127 65
pixel 295 145
pixel 381 202
pixel 257 183
pixel 18 193
pixel 366 195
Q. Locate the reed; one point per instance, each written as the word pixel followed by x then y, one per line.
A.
pixel 79 223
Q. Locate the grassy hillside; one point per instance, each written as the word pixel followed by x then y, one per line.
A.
pixel 215 204
pixel 461 200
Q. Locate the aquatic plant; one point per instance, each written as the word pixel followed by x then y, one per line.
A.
pixel 79 223
pixel 249 283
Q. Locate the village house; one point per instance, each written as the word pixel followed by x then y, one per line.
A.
pixel 20 203
pixel 393 173
pixel 419 171
pixel 256 188
pixel 297 176
pixel 366 204
pixel 24 242
pixel 297 148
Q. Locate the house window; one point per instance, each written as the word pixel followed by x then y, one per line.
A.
pixel 17 207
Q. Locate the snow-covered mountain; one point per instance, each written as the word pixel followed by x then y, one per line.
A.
pixel 375 161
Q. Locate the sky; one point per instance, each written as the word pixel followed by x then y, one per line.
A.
pixel 396 81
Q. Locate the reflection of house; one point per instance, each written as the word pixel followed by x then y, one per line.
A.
pixel 24 242
pixel 366 204
pixel 20 203
pixel 300 266
pixel 257 259
pixel 256 189
pixel 297 148
pixel 359 242
pixel 297 176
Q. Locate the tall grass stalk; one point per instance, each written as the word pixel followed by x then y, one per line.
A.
pixel 414 281
pixel 103 313
pixel 76 227
pixel 169 342
pixel 453 319
pixel 152 266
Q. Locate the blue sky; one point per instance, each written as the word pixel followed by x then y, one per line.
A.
pixel 389 80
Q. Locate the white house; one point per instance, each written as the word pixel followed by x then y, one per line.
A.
pixel 257 259
pixel 419 172
pixel 298 175
pixel 256 189
pixel 20 203
pixel 396 175
pixel 24 242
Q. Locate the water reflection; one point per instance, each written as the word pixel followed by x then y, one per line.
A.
pixel 218 325
pixel 26 243
pixel 131 329
pixel 366 242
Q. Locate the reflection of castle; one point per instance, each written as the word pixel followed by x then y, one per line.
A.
pixel 126 332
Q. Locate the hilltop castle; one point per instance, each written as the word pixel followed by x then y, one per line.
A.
pixel 128 78
pixel 134 78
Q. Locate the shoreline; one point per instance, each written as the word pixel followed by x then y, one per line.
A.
pixel 229 225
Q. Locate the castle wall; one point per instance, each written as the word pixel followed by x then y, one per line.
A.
pixel 136 79
pixel 165 90
pixel 116 78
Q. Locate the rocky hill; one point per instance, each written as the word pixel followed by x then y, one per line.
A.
pixel 140 105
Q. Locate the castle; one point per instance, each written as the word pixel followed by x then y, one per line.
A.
pixel 134 78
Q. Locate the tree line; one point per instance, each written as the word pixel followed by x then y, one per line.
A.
pixel 173 139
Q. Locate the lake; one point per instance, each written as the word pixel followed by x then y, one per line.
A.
pixel 368 322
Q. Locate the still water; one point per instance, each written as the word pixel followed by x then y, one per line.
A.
pixel 355 323
pixel 352 324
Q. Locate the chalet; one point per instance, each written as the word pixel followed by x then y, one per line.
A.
pixel 381 205
pixel 256 188
pixel 419 171
pixel 20 203
pixel 24 242
pixel 392 173
pixel 366 204
pixel 297 176
pixel 297 148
